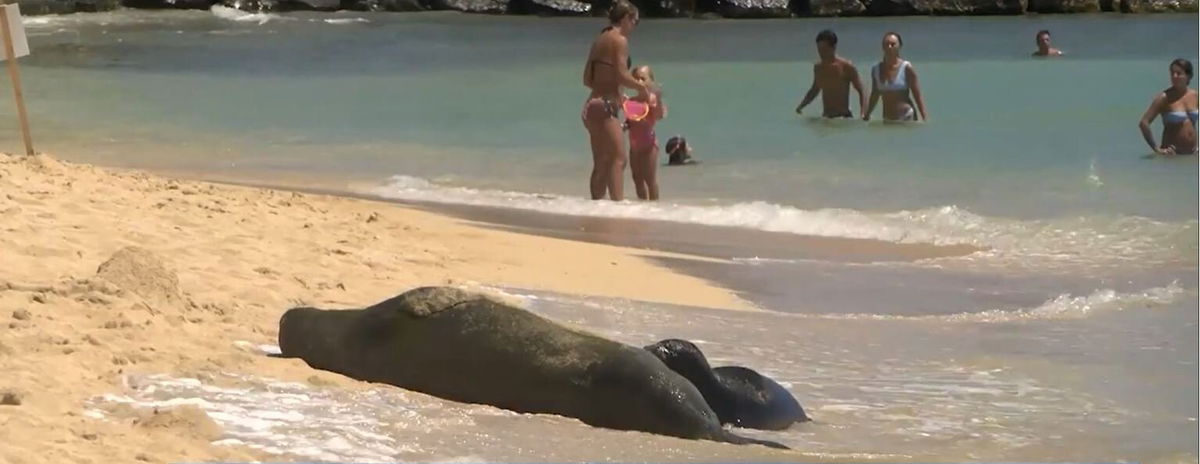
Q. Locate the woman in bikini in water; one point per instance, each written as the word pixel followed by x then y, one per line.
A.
pixel 1178 107
pixel 894 79
pixel 606 71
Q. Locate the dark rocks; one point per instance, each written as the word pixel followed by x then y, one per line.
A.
pixel 833 8
pixel 253 6
pixel 43 7
pixel 1064 6
pixel 747 8
pixel 550 7
pixel 664 8
pixel 890 8
pixel 970 7
pixel 169 4
pixel 313 5
pixel 383 5
pixel 470 6
pixel 943 7
pixel 92 6
pixel 1158 6
pixel 278 6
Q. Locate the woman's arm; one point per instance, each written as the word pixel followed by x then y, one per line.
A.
pixel 874 100
pixel 916 91
pixel 1147 118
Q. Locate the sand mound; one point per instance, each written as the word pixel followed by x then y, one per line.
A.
pixel 140 271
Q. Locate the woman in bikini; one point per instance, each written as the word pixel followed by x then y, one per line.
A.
pixel 893 80
pixel 606 71
pixel 1178 107
pixel 643 142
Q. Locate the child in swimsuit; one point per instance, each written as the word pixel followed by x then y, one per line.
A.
pixel 643 143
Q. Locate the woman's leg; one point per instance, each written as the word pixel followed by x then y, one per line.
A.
pixel 599 178
pixel 612 142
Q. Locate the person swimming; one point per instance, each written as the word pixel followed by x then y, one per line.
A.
pixel 643 142
pixel 894 80
pixel 1043 45
pixel 679 152
pixel 1178 105
pixel 605 73
pixel 833 76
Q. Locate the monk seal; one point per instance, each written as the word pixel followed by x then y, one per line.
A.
pixel 463 346
pixel 738 395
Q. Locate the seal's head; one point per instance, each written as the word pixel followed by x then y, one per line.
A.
pixel 294 341
pixel 682 357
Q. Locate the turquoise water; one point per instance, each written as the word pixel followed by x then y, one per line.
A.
pixel 494 102
pixel 1072 336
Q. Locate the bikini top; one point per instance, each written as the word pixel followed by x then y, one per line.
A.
pixel 900 82
pixel 1177 117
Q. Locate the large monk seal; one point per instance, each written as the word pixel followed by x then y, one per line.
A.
pixel 463 346
pixel 738 395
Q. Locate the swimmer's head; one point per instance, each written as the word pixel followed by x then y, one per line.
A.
pixel 1043 39
pixel 892 43
pixel 826 42
pixel 623 15
pixel 1181 72
pixel 678 150
pixel 828 37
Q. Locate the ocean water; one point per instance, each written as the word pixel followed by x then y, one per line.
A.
pixel 1071 335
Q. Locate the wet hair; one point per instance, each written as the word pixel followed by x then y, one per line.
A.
pixel 1041 33
pixel 621 9
pixel 828 37
pixel 677 148
pixel 1185 65
pixel 899 40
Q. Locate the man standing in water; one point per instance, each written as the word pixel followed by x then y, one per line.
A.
pixel 832 78
pixel 1043 45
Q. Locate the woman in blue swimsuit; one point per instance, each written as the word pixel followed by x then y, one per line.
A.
pixel 1178 107
pixel 893 80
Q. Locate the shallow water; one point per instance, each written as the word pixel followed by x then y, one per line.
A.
pixel 1035 388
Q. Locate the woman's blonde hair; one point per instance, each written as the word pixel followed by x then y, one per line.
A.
pixel 621 9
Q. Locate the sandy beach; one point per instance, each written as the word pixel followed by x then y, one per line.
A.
pixel 107 272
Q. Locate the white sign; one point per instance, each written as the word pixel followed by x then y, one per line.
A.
pixel 12 14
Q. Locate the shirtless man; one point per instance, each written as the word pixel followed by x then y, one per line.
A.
pixel 832 78
pixel 1043 45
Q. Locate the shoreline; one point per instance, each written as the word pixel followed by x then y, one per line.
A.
pixel 706 252
pixel 700 242
pixel 111 273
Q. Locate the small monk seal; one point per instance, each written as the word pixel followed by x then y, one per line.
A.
pixel 738 395
pixel 463 346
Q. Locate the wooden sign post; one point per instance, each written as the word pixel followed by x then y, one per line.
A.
pixel 16 46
